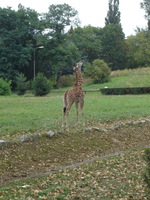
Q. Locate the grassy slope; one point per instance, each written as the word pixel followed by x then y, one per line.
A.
pixel 125 78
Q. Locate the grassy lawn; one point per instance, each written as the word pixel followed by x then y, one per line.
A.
pixel 25 115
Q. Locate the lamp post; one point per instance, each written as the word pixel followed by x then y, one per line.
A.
pixel 41 47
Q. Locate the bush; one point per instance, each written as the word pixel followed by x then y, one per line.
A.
pixel 147 172
pixel 21 84
pixel 41 85
pixel 98 71
pixel 5 88
pixel 66 81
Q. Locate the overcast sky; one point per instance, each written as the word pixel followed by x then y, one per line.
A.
pixel 91 12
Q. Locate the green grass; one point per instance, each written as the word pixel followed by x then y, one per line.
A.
pixel 28 114
pixel 25 115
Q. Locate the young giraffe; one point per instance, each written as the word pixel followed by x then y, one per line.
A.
pixel 74 95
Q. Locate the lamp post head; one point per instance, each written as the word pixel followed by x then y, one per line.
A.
pixel 41 47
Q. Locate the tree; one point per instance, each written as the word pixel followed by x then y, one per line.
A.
pixel 21 84
pixel 61 52
pixel 18 31
pixel 60 17
pixel 113 40
pixel 146 6
pixel 88 42
pixel 113 43
pixel 138 50
pixel 113 15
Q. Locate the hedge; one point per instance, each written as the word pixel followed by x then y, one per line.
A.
pixel 124 91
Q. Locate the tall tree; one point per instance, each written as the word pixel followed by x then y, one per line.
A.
pixel 59 17
pixel 18 30
pixel 113 43
pixel 61 52
pixel 113 14
pixel 146 6
pixel 114 52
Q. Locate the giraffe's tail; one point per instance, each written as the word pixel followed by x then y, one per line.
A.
pixel 65 102
pixel 64 109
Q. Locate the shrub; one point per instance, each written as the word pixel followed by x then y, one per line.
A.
pixel 5 88
pixel 41 85
pixel 147 172
pixel 66 81
pixel 21 84
pixel 98 71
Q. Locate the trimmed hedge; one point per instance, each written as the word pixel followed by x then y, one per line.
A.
pixel 124 91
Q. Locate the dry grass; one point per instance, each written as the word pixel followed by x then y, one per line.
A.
pixel 131 72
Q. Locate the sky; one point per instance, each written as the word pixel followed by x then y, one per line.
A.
pixel 91 12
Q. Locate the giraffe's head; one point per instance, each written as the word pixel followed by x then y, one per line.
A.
pixel 79 65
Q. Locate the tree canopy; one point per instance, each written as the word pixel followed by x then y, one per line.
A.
pixel 113 14
pixel 65 42
pixel 113 42
pixel 146 6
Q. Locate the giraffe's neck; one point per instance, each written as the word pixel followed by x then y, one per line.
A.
pixel 79 81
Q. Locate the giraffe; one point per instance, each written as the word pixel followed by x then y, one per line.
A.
pixel 74 95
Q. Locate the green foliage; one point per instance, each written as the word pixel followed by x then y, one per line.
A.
pixel 99 71
pixel 61 52
pixel 23 30
pixel 88 41
pixel 59 17
pixel 21 84
pixel 18 30
pixel 41 85
pixel 113 15
pixel 147 173
pixel 66 81
pixel 146 6
pixel 138 50
pixel 113 42
pixel 5 88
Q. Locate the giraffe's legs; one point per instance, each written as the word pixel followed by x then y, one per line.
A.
pixel 63 117
pixel 77 113
pixel 82 111
pixel 67 116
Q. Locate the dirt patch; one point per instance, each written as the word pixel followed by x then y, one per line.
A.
pixel 22 160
